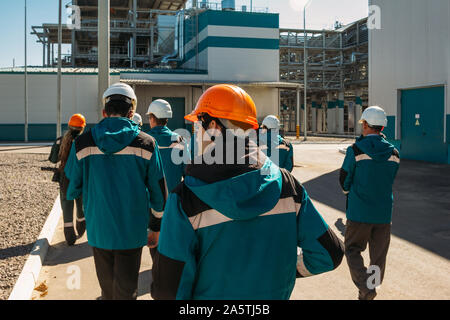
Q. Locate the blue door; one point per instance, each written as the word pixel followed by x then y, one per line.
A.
pixel 422 125
pixel 178 112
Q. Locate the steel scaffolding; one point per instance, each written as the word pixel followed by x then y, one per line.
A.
pixel 134 27
pixel 337 64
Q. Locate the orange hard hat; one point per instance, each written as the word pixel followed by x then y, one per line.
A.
pixel 225 101
pixel 77 121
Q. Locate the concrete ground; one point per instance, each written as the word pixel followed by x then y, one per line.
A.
pixel 418 264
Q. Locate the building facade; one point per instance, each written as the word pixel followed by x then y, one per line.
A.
pixel 210 47
pixel 409 59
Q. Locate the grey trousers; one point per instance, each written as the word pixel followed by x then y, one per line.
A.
pixel 357 236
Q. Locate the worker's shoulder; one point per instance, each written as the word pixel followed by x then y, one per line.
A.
pixel 144 141
pixel 284 142
pixel 355 150
pixel 290 186
pixel 190 203
pixel 396 153
pixel 175 137
pixel 84 140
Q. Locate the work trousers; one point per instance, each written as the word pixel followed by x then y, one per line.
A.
pixel 68 205
pixel 357 236
pixel 118 272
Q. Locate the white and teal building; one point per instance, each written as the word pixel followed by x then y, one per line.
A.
pixel 241 48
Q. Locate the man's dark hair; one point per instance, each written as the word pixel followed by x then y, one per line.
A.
pixel 118 105
pixel 160 122
pixel 376 128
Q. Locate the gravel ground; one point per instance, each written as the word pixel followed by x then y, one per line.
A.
pixel 27 195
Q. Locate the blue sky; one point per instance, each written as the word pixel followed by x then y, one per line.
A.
pixel 320 14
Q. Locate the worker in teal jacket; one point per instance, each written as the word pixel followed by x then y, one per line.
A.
pixel 114 166
pixel 173 148
pixel 367 177
pixel 234 230
pixel 278 149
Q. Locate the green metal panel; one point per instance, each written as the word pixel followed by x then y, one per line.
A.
pixel 448 129
pixel 36 132
pixel 178 112
pixel 240 19
pixel 12 132
pixel 422 125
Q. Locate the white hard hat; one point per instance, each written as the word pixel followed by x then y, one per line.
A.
pixel 271 122
pixel 160 109
pixel 122 89
pixel 137 118
pixel 374 116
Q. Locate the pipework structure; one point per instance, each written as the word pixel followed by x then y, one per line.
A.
pixel 337 73
pixel 142 32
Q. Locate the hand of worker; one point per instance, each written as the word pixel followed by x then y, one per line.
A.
pixel 152 240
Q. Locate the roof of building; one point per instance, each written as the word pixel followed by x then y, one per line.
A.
pixel 269 84
pixel 44 70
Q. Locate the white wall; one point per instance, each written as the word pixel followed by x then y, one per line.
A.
pixel 266 101
pixel 411 50
pixel 232 64
pixel 237 64
pixel 79 95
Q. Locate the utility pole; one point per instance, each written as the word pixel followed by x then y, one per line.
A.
pixel 305 61
pixel 103 51
pixel 26 79
pixel 59 102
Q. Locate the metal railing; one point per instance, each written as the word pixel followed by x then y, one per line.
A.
pixel 217 6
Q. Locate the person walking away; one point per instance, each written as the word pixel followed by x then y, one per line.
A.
pixel 137 119
pixel 115 166
pixel 278 149
pixel 366 177
pixel 60 153
pixel 159 113
pixel 232 230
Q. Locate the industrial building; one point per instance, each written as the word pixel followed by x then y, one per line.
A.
pixel 409 62
pixel 165 50
pixel 186 51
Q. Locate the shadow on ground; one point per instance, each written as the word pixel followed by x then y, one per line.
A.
pixel 61 253
pixel 145 280
pixel 421 203
pixel 16 251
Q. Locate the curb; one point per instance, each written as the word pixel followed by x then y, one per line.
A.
pixel 26 144
pixel 25 284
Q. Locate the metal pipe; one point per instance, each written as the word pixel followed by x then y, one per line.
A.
pixel 133 44
pixel 103 51
pixel 48 52
pixel 26 79
pixel 305 112
pixel 59 102
pixel 178 53
pixel 298 114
